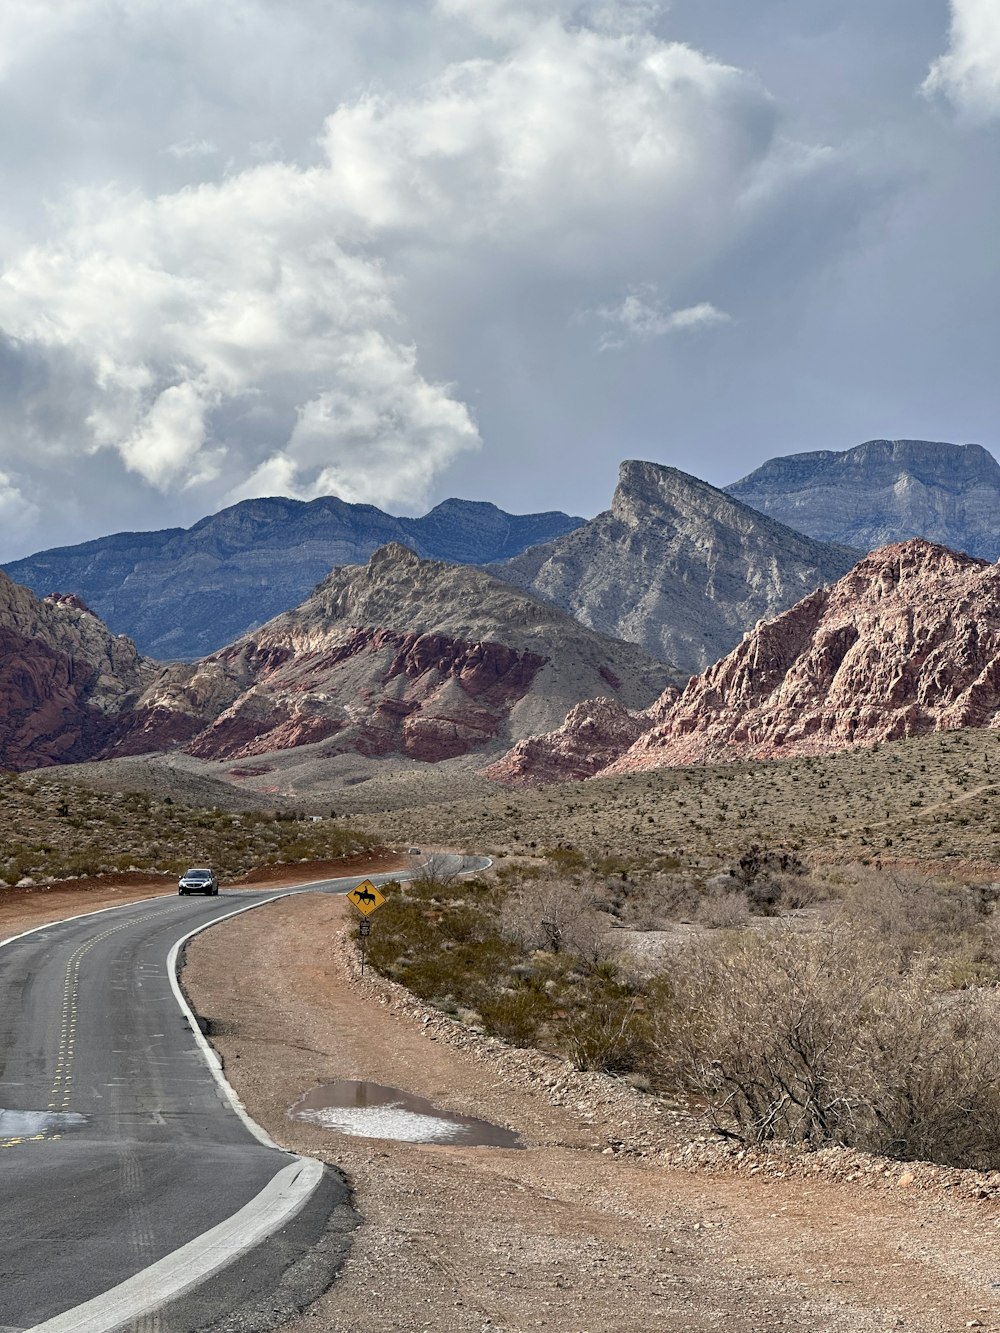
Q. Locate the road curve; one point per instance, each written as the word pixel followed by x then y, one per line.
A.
pixel 134 1192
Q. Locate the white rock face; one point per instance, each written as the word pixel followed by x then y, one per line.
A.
pixel 676 566
pixel 884 491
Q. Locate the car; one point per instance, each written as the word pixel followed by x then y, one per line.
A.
pixel 198 880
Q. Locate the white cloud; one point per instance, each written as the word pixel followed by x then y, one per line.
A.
pixel 969 72
pixel 582 141
pixel 193 148
pixel 188 303
pixel 642 316
pixel 18 514
pixel 310 315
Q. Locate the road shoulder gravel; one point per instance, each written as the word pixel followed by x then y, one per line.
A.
pixel 618 1214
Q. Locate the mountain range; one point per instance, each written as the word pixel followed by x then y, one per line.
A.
pixel 884 491
pixel 679 626
pixel 181 593
pixel 399 656
pixel 908 642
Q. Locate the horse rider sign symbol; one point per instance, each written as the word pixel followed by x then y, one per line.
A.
pixel 366 897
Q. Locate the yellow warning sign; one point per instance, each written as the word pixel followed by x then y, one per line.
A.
pixel 366 897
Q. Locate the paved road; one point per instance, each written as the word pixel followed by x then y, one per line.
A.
pixel 117 1144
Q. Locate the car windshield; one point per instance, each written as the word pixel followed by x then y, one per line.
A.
pixel 198 874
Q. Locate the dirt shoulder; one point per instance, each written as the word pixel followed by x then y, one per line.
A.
pixel 596 1224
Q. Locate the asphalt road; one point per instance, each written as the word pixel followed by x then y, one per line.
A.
pixel 118 1146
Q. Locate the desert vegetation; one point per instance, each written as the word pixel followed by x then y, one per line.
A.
pixel 932 798
pixel 56 831
pixel 843 1005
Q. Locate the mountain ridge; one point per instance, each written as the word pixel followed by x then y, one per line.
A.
pixel 906 643
pixel 884 491
pixel 181 593
pixel 675 565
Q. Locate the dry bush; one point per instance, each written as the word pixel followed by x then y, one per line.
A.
pixel 821 1039
pixel 913 912
pixel 724 909
pixel 556 916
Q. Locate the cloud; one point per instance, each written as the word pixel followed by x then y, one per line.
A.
pixel 642 316
pixel 193 148
pixel 183 307
pixel 276 282
pixel 969 73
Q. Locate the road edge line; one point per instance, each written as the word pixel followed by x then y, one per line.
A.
pixel 285 1195
pixel 209 1054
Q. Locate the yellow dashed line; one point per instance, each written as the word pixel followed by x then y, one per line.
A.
pixel 62 1083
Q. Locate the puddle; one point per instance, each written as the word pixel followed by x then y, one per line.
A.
pixel 371 1111
pixel 33 1124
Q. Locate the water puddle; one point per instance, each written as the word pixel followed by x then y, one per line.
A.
pixel 15 1125
pixel 371 1111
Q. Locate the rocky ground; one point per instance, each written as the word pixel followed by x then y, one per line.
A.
pixel 618 1214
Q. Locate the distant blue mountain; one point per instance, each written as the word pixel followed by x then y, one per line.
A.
pixel 181 593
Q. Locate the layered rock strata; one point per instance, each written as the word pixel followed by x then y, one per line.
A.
pixel 884 491
pixel 65 681
pixel 402 655
pixel 676 566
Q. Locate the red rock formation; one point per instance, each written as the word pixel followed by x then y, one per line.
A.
pixel 402 656
pixel 907 642
pixel 65 681
pixel 594 734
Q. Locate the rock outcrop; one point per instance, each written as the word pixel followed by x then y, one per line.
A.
pixel 884 491
pixel 907 643
pixel 594 735
pixel 183 593
pixel 66 683
pixel 402 655
pixel 676 566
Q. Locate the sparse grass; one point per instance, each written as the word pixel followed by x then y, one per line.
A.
pixel 49 832
pixel 932 798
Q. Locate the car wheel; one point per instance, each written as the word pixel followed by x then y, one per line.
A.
pixel 181 893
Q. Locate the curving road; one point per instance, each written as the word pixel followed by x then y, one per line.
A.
pixel 133 1193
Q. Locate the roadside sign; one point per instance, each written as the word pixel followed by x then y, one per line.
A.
pixel 364 928
pixel 366 898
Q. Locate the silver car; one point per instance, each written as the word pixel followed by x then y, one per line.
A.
pixel 198 881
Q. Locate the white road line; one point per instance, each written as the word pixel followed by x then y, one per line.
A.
pixel 277 1203
pixel 210 1056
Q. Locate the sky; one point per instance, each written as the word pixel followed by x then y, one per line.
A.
pixel 484 248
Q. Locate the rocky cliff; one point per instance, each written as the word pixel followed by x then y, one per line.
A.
pixel 676 566
pixel 402 655
pixel 183 593
pixel 65 681
pixel 884 491
pixel 907 643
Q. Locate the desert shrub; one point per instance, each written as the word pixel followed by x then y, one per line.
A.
pixel 515 1015
pixel 724 909
pixel 555 916
pixel 915 913
pixel 609 1029
pixel 824 1039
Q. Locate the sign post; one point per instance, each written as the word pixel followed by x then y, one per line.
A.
pixel 367 899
